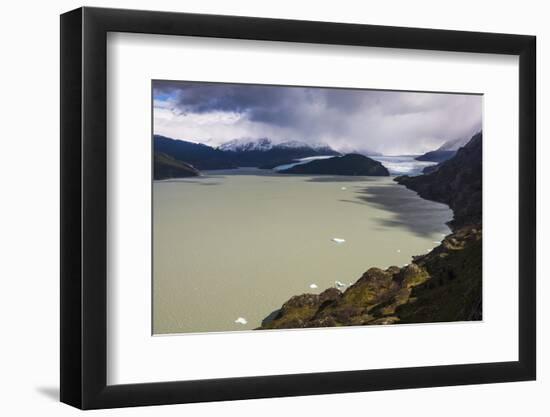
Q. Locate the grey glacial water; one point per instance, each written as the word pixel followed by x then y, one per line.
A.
pixel 231 246
pixel 403 164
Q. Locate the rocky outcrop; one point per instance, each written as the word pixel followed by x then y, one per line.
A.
pixel 350 164
pixel 443 285
pixel 168 167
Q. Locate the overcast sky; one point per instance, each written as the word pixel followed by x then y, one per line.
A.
pixel 389 122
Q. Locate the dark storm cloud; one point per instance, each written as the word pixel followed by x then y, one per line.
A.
pixel 387 121
pixel 267 104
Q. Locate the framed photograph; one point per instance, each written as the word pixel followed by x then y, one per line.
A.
pixel 258 208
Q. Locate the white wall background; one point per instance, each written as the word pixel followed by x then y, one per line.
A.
pixel 29 237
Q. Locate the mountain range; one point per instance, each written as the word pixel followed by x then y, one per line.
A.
pixel 263 153
pixel 259 153
pixel 265 144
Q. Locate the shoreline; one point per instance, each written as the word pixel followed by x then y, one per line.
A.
pixel 329 293
pixel 443 285
pixel 385 293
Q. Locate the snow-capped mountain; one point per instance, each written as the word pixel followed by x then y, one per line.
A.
pixel 260 153
pixel 246 145
pixel 265 144
pixel 296 144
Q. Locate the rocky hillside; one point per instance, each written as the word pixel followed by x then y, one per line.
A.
pixel 454 144
pixel 351 164
pixel 436 156
pixel 456 182
pixel 201 156
pixel 167 167
pixel 444 285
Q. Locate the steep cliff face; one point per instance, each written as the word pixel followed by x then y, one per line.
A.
pixel 457 182
pixel 444 285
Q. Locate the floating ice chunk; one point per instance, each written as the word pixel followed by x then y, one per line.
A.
pixel 437 242
pixel 339 284
pixel 398 250
pixel 344 188
pixel 338 240
pixel 241 320
pixel 313 286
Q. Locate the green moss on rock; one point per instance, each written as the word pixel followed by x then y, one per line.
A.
pixel 444 285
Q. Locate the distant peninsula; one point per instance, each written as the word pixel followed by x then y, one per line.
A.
pixel 350 165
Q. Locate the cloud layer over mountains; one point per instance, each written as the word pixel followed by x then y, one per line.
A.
pixel 389 122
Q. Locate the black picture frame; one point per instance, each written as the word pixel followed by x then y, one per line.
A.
pixel 84 207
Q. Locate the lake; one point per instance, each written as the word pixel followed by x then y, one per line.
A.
pixel 234 245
